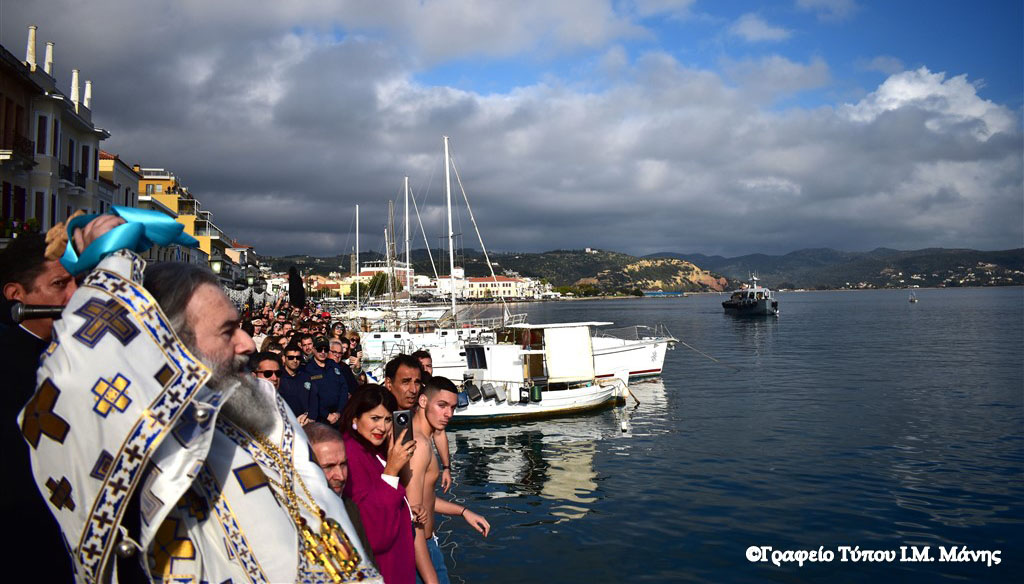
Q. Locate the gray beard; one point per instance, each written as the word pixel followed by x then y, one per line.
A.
pixel 248 406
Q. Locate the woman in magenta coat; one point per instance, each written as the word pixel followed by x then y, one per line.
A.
pixel 375 461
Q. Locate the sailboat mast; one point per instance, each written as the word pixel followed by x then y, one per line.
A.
pixel 390 243
pixel 357 257
pixel 408 252
pixel 451 232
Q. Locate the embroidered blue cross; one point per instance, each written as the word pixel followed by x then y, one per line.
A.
pixel 102 318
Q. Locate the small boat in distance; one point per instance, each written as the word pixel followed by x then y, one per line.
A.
pixel 913 298
pixel 754 300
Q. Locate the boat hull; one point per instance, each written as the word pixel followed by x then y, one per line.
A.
pixel 553 403
pixel 756 308
pixel 643 358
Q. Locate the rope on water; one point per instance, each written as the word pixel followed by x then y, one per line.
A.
pixel 733 367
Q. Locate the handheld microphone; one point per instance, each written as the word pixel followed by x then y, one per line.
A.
pixel 22 312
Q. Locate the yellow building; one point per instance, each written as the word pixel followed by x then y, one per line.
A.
pixel 161 186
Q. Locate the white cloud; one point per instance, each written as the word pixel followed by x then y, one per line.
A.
pixel 752 28
pixel 830 10
pixel 614 60
pixel 775 76
pixel 949 104
pixel 281 125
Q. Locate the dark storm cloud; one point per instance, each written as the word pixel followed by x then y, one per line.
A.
pixel 281 119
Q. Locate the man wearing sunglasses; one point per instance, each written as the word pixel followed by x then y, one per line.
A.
pixel 330 384
pixel 268 366
pixel 296 388
pixel 338 352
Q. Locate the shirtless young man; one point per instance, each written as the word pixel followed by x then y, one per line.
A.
pixel 441 438
pixel 435 406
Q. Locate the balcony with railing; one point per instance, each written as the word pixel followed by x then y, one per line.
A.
pixel 188 207
pixel 19 150
pixel 156 174
pixel 209 230
pixel 22 146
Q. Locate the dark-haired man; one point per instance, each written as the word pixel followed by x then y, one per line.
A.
pixel 426 362
pixel 331 387
pixel 27 276
pixel 305 341
pixel 268 366
pixel 435 407
pixel 441 438
pixel 402 378
pixel 295 387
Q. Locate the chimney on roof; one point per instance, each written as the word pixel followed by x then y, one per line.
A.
pixel 88 93
pixel 48 64
pixel 74 88
pixel 30 50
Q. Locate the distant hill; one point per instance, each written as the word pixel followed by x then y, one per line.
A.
pixel 879 268
pixel 609 271
pixel 602 271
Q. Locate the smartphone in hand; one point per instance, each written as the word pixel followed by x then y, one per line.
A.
pixel 403 420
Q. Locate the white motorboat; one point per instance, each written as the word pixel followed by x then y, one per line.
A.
pixel 384 345
pixel 753 300
pixel 639 349
pixel 535 370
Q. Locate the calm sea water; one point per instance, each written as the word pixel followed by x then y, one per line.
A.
pixel 853 419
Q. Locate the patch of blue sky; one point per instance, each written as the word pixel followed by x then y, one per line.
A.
pixel 982 40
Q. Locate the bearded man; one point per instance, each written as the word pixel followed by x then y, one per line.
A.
pixel 160 454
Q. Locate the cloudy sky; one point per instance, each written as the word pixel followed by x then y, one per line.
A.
pixel 631 125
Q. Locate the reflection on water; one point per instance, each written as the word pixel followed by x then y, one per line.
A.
pixel 553 459
pixel 571 480
pixel 854 418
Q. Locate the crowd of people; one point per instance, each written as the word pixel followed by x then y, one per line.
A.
pixel 386 478
pixel 381 444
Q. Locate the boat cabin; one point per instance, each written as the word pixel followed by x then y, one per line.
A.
pixel 751 294
pixel 554 355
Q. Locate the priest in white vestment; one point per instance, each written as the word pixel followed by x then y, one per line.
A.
pixel 157 451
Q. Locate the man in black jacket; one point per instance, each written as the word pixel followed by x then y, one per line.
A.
pixel 27 276
pixel 332 388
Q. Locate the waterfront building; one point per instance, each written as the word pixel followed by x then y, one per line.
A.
pixel 165 253
pixel 443 285
pixel 46 179
pixel 163 187
pixel 498 287
pixel 122 176
pixel 403 271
